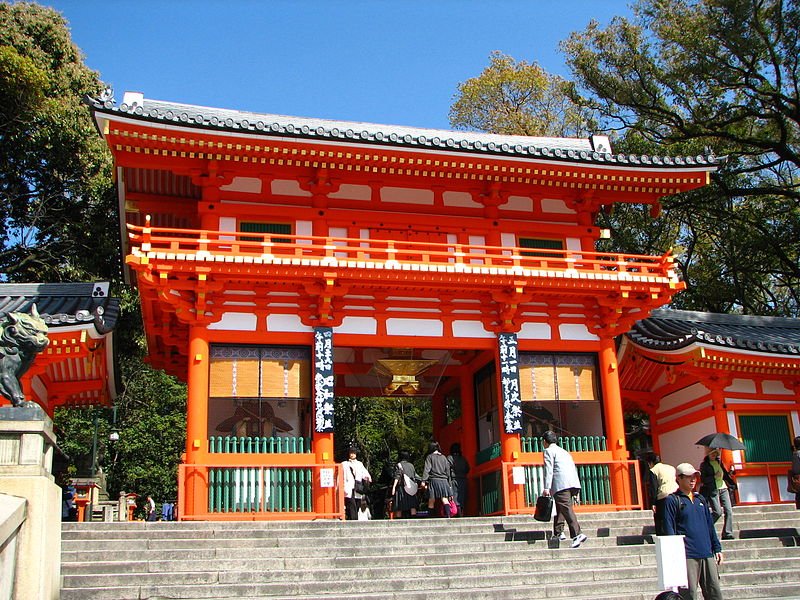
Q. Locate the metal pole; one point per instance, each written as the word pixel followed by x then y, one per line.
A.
pixel 94 445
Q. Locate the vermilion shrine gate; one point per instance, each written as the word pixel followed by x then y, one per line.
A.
pixel 282 261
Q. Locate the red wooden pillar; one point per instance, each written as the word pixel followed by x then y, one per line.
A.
pixel 196 488
pixel 614 422
pixel 716 386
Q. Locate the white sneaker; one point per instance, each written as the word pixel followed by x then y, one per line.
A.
pixel 562 537
pixel 578 540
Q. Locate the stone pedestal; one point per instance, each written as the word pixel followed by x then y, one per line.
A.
pixel 26 459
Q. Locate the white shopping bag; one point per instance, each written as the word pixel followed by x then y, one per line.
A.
pixel 671 562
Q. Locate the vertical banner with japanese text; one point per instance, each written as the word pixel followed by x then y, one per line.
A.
pixel 323 380
pixel 509 381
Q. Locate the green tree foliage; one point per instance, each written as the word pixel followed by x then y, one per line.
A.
pixel 685 75
pixel 58 222
pixel 519 98
pixel 380 427
pixel 57 200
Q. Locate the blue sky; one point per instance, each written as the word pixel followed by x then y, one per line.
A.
pixel 375 61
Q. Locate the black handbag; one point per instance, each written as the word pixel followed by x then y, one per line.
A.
pixel 361 486
pixel 544 509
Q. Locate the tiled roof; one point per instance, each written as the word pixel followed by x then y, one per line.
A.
pixel 548 148
pixel 676 329
pixel 63 304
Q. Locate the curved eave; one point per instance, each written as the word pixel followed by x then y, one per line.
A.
pixel 700 354
pixel 277 127
pixel 668 330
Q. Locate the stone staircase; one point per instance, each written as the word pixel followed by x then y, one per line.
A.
pixel 424 559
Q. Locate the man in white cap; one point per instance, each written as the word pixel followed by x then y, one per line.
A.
pixel 687 513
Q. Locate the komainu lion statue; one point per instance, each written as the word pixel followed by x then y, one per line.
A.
pixel 22 337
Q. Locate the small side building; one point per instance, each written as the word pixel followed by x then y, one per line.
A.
pixel 695 373
pixel 76 369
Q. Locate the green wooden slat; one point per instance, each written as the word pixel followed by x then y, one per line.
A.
pixel 766 438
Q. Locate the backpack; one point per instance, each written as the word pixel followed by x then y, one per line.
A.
pixel 409 485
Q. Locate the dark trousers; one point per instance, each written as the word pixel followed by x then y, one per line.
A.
pixel 565 512
pixel 351 508
pixel 658 516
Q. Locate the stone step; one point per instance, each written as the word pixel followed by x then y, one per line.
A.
pixel 548 569
pixel 430 559
pixel 562 584
pixel 457 546
pixel 593 558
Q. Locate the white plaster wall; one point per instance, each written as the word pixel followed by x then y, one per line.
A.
pixel 359 325
pixel 554 205
pixel 286 323
pixel 414 327
pixel 288 187
pixel 523 203
pixel 679 445
pixel 746 386
pixel 250 185
pixel 775 387
pixel 508 239
pixel 574 244
pixel 227 224
pixel 406 195
pixel 460 199
pixel 575 331
pixel 535 331
pixel 477 240
pixel 235 322
pixel 470 329
pixel 682 396
pixel 350 191
pixel 303 228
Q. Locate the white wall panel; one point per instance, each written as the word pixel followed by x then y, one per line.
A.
pixel 575 331
pixel 679 446
pixel 535 331
pixel 415 327
pixel 687 394
pixel 470 329
pixel 289 323
pixel 287 187
pixel 775 387
pixel 231 321
pixel 746 386
pixel 406 195
pixel 461 199
pixel 249 185
pixel 350 191
pixel 358 325
pixel 555 205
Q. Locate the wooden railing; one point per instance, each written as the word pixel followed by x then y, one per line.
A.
pixel 595 477
pixel 215 246
pixel 259 491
